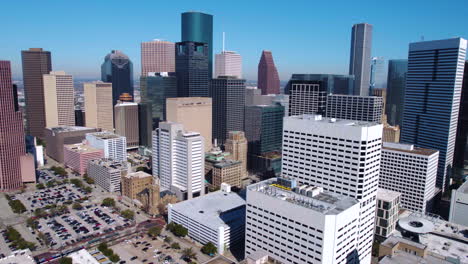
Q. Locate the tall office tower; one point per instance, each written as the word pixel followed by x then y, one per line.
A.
pixel 198 27
pixel 126 123
pixel 355 107
pixel 192 69
pixel 228 63
pixel 13 145
pixel 118 70
pixel 155 89
pixel 99 106
pixel 432 99
pixel 195 113
pixel 145 124
pixel 178 160
pixel 228 95
pixel 341 156
pixel 360 58
pixel 411 171
pixel 300 224
pixel 461 142
pixel 378 75
pixel 332 83
pixel 268 79
pixel 396 83
pixel 36 63
pixel 306 97
pixel 59 99
pixel 157 56
pixel 114 146
pixel 236 145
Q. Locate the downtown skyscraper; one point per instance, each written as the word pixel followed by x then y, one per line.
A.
pixel 59 99
pixel 198 27
pixel 432 99
pixel 12 145
pixel 157 56
pixel 396 83
pixel 228 63
pixel 118 70
pixel 36 63
pixel 192 69
pixel 268 78
pixel 360 57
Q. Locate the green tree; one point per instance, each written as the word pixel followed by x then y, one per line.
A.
pixel 65 260
pixel 88 189
pixel 77 206
pixel 102 246
pixel 209 249
pixel 140 169
pixel 31 223
pixel 77 182
pixel 50 183
pixel 188 253
pixel 114 258
pixel 177 229
pixel 44 239
pixel 109 202
pixel 175 245
pixel 128 214
pixel 154 231
pixel 88 179
pixel 17 206
pixel 40 186
pixel 168 240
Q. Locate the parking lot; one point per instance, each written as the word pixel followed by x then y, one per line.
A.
pixel 79 225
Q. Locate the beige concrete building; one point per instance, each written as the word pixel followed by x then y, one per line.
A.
pixel 237 145
pixel 98 105
pixel 157 56
pixel 195 113
pixel 126 123
pixel 222 170
pixel 59 99
pixel 134 183
pixel 391 134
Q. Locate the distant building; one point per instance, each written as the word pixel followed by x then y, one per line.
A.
pixel 228 95
pixel 107 173
pixel 306 97
pixel 114 146
pixel 360 57
pixel 331 83
pixel 76 156
pixel 195 113
pixel 236 145
pixel 79 117
pixel 157 56
pixel 228 63
pixel 59 99
pixel 36 62
pixel 410 171
pixel 192 69
pixel 396 83
pixel 178 160
pixel 301 224
pixel 218 217
pixel 145 124
pixel 99 107
pixel 255 97
pixel 353 107
pixel 459 205
pixel 126 123
pixel 378 75
pixel 386 216
pixel 268 79
pixel 117 69
pixel 221 169
pixel 58 137
pixel 391 134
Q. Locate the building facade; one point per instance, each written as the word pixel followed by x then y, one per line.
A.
pixel 396 83
pixel 391 134
pixel 412 172
pixel 459 205
pixel 114 146
pixel 307 97
pixel 135 182
pixel 236 144
pixel 331 83
pixel 157 56
pixel 228 63
pixel 317 152
pixel 195 113
pixel 36 62
pixel 99 106
pixel 360 57
pixel 126 123
pixel 107 173
pixel 228 95
pixel 386 216
pixel 118 70
pixel 60 99
pixel 432 99
pixel 378 75
pixel 268 79
pixel 76 156
pixel 461 142
pixel 220 169
pixel 192 69
pixel 354 107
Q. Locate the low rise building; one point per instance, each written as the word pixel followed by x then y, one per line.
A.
pixel 459 205
pixel 83 256
pixel 107 173
pixel 219 169
pixel 217 217
pixel 18 257
pixel 134 183
pixel 76 156
pixel 114 146
pixel 386 217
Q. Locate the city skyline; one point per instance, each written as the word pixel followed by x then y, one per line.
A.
pixel 328 51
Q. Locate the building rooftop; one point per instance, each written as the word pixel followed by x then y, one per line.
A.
pixel 81 148
pixel 18 257
pixel 104 135
pixel 408 148
pixel 387 195
pixel 333 121
pixel 356 96
pixel 207 209
pixel 61 129
pixel 402 257
pixel 138 174
pixel 311 197
pixel 463 188
pixel 110 163
pixel 83 257
pixel 190 101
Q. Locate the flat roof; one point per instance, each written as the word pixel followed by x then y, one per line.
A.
pixel 138 174
pixel 387 195
pixel 408 148
pixel 463 188
pixel 81 148
pixel 104 135
pixel 83 257
pixel 110 163
pixel 69 128
pixel 325 202
pixel 18 257
pixel 401 257
pixel 206 209
pixel 334 121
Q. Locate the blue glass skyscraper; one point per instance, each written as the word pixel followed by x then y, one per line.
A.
pixel 118 70
pixel 198 27
pixel 432 99
pixel 396 82
pixel 378 76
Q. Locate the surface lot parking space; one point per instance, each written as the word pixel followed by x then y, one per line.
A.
pixel 73 227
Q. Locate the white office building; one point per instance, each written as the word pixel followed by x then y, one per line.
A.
pixel 459 205
pixel 179 160
pixel 341 156
pixel 114 146
pixel 218 217
pixel 107 173
pixel 411 171
pixel 228 63
pixel 301 224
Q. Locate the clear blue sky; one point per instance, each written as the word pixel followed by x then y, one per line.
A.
pixel 305 36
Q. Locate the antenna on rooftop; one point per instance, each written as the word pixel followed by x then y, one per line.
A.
pixel 223 40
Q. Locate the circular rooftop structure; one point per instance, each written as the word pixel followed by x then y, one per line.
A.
pixel 416 225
